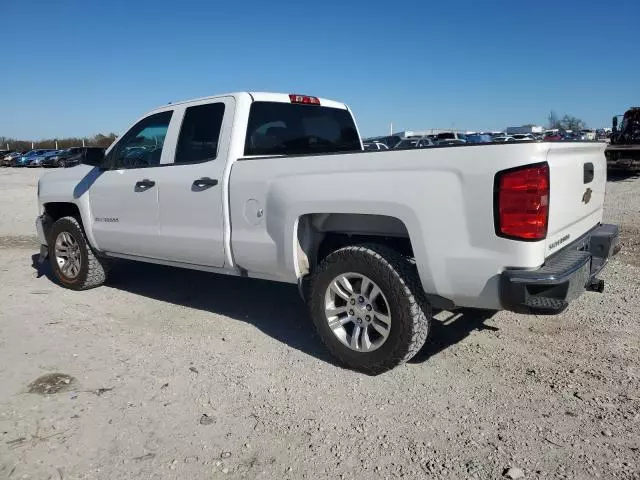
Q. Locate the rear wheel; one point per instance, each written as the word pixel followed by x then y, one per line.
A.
pixel 369 308
pixel 72 259
pixel 61 163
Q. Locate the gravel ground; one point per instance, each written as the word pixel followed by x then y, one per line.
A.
pixel 182 374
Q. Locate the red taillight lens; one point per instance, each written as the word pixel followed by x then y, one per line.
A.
pixel 523 203
pixel 304 99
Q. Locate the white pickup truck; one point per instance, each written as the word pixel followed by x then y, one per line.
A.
pixel 276 186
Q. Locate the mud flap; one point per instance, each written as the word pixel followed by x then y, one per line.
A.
pixel 44 253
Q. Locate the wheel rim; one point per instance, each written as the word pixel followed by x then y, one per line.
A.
pixel 357 312
pixel 68 256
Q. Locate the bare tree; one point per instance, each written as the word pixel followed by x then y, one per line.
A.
pixel 99 140
pixel 569 122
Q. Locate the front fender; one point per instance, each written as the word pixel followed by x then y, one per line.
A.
pixel 70 185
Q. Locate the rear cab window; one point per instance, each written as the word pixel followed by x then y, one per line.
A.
pixel 277 128
pixel 200 133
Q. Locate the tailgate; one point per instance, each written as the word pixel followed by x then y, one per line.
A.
pixel 578 178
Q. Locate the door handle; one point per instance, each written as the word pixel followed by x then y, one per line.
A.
pixel 588 172
pixel 145 184
pixel 205 182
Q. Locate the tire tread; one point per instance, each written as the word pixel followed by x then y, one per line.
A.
pixel 96 269
pixel 404 276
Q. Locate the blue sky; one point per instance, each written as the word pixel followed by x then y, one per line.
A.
pixel 76 68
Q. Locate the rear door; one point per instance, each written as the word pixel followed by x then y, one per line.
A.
pixel 190 186
pixel 578 178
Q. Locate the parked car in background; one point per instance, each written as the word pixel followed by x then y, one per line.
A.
pixel 36 160
pixel 25 160
pixel 68 157
pixel 450 136
pixel 479 138
pixel 587 134
pixel 570 136
pixel 552 137
pixel 451 141
pixel 523 137
pixel 504 139
pixel 375 146
pixel 7 160
pixel 416 142
pixel 389 140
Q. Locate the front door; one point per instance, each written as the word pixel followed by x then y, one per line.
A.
pixel 124 198
pixel 191 188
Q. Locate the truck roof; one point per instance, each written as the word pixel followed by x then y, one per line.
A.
pixel 255 97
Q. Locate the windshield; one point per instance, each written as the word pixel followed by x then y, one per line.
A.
pixel 292 129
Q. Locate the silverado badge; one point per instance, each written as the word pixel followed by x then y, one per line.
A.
pixel 586 198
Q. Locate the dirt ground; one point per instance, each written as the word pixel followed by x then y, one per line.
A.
pixel 175 374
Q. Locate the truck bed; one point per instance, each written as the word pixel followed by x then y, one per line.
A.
pixel 443 196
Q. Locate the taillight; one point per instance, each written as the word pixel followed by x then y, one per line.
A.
pixel 304 99
pixel 522 202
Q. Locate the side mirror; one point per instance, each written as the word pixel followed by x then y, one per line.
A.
pixel 614 124
pixel 93 157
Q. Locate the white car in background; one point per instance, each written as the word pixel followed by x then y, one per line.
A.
pixel 503 139
pixel 523 137
pixel 372 146
pixel 413 142
pixel 451 141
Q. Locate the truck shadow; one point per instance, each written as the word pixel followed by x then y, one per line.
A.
pixel 449 328
pixel 619 175
pixel 276 309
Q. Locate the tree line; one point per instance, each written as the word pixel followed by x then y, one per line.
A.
pixel 99 140
pixel 567 122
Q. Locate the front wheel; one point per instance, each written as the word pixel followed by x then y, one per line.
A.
pixel 369 308
pixel 73 261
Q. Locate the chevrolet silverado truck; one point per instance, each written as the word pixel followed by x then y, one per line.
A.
pixel 278 187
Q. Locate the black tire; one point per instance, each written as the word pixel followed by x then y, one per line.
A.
pixel 93 271
pixel 61 164
pixel 398 279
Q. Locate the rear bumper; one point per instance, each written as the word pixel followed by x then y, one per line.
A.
pixel 563 278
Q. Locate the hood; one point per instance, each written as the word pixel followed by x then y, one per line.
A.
pixel 76 173
pixel 67 184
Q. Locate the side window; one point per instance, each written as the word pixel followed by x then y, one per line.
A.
pixel 142 145
pixel 200 133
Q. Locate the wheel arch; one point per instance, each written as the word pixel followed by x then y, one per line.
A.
pixel 316 235
pixel 54 210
